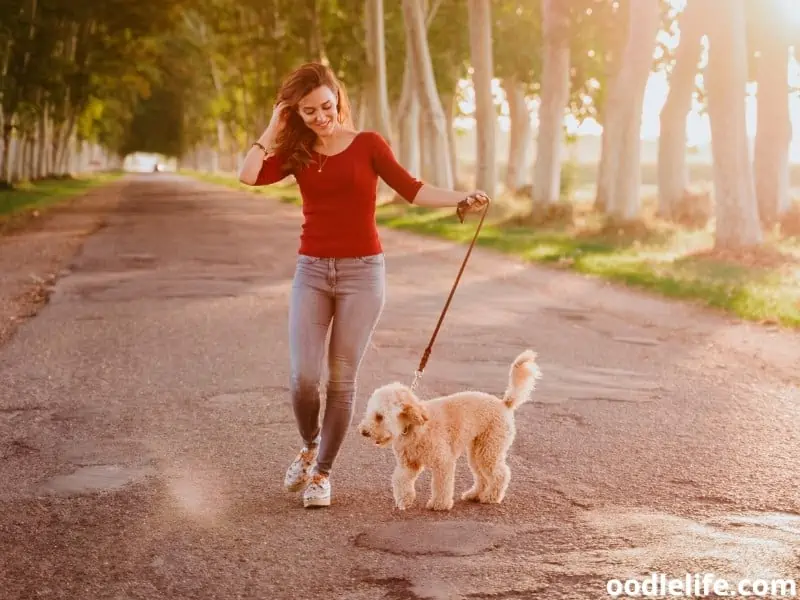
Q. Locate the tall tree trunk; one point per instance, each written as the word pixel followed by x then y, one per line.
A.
pixel 41 140
pixel 624 200
pixel 480 43
pixel 450 108
pixel 315 38
pixel 67 129
pixel 554 95
pixel 774 127
pixel 427 138
pixel 519 135
pixel 5 119
pixel 8 150
pixel 673 176
pixel 408 127
pixel 376 58
pixel 23 149
pixel 737 222
pixel 433 113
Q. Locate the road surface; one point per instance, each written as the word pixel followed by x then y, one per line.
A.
pixel 145 426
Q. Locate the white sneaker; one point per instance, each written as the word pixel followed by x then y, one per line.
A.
pixel 297 473
pixel 318 492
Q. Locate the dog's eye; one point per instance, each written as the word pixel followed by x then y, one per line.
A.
pixel 378 417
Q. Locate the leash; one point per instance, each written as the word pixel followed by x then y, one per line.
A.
pixel 461 212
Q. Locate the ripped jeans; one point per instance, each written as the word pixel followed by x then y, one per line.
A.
pixel 349 294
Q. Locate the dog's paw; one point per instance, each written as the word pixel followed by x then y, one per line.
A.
pixel 490 498
pixel 471 495
pixel 405 501
pixel 438 504
pixel 403 504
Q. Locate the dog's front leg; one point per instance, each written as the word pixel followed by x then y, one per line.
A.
pixel 442 486
pixel 403 480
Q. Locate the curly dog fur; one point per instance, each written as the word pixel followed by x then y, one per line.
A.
pixel 435 433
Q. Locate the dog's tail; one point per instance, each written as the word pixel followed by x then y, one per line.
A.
pixel 522 379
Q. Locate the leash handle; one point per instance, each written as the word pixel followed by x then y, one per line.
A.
pixel 461 212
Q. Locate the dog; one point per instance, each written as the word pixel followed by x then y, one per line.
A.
pixel 435 433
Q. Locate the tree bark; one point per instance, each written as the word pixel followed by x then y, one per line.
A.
pixel 623 180
pixel 673 176
pixel 737 223
pixel 774 127
pixel 480 41
pixel 520 133
pixel 376 58
pixel 408 121
pixel 554 95
pixel 450 108
pixel 6 158
pixel 433 113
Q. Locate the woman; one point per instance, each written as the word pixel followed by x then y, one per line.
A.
pixel 339 274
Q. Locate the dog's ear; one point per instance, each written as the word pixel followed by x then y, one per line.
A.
pixel 412 412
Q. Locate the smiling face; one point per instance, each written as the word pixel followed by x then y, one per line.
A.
pixel 391 411
pixel 319 110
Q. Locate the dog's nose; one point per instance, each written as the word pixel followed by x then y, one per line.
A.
pixel 364 432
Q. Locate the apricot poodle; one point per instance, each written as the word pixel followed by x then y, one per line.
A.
pixel 434 433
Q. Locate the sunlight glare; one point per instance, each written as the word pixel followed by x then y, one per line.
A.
pixel 791 11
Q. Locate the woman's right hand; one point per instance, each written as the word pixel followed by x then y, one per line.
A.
pixel 275 125
pixel 277 115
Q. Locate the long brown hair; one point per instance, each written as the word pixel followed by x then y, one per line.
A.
pixel 295 141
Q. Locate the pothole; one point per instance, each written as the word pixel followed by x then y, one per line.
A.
pixel 463 538
pixel 94 478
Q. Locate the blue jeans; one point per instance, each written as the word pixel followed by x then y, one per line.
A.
pixel 349 294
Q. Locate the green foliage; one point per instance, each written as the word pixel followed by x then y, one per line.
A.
pixel 448 39
pixel 169 75
pixel 84 65
pixel 518 41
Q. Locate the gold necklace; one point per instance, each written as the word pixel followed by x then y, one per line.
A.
pixel 322 164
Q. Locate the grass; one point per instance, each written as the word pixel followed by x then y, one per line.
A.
pixel 761 286
pixel 32 199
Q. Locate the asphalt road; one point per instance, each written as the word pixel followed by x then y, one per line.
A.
pixel 145 426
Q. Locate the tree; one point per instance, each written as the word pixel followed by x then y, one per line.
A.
pixel 449 48
pixel 737 223
pixel 552 108
pixel 619 176
pixel 377 96
pixel 433 113
pixel 772 37
pixel 517 26
pixel 63 59
pixel 480 17
pixel 673 177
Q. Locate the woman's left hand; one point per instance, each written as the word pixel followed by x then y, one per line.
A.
pixel 472 203
pixel 477 200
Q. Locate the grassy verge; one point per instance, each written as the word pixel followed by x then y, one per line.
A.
pixel 763 286
pixel 31 199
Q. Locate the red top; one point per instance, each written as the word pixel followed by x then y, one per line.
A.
pixel 339 202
